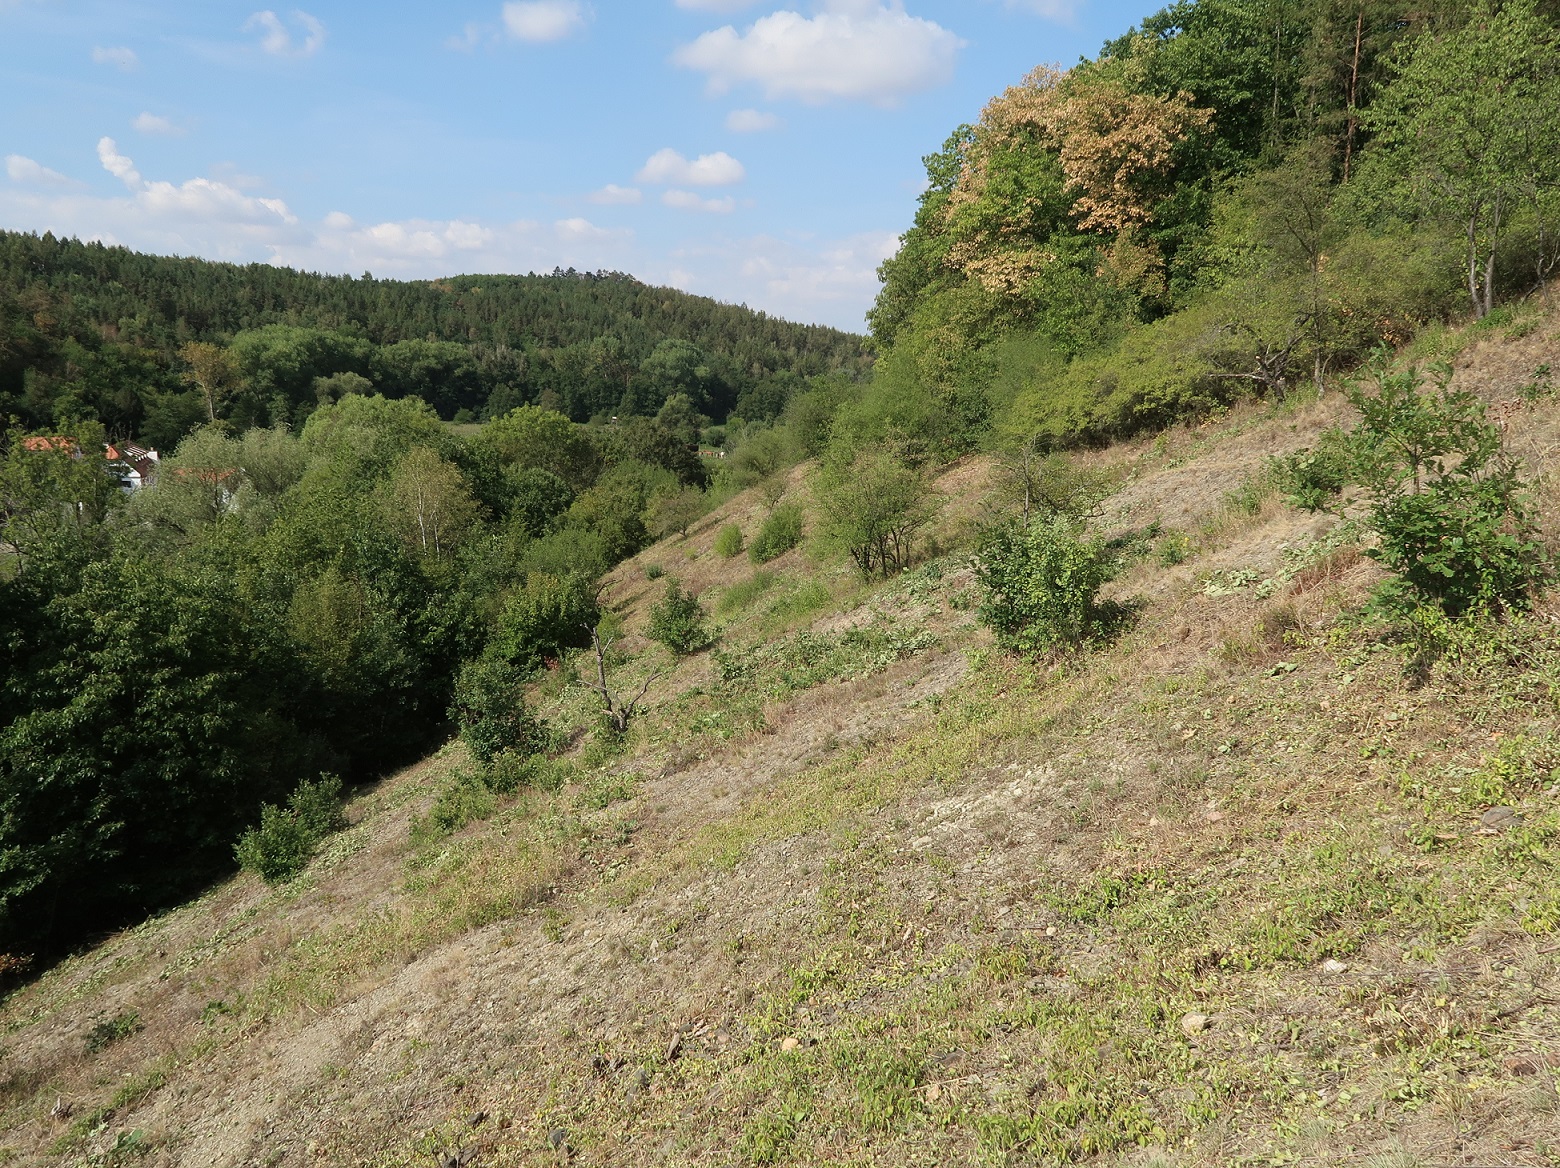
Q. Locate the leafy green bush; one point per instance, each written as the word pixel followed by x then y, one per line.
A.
pixel 677 621
pixel 545 615
pixel 1040 586
pixel 1463 543
pixel 781 532
pixel 286 840
pixel 464 799
pixel 1449 505
pixel 728 541
pixel 490 709
pixel 1310 479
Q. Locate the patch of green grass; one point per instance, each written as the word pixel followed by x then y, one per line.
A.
pixel 743 593
pixel 603 791
pixel 803 660
pixel 806 599
pixel 767 1137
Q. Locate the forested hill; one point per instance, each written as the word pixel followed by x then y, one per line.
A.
pixel 89 331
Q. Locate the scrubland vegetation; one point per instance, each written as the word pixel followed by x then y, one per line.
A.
pixel 1118 727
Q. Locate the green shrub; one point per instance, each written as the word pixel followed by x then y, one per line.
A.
pixel 1310 479
pixel 1463 543
pixel 491 712
pixel 544 616
pixel 781 532
pixel 464 799
pixel 1040 586
pixel 510 771
pixel 286 840
pixel 1449 505
pixel 654 571
pixel 677 621
pixel 728 541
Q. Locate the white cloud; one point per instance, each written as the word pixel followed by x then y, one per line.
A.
pixel 708 170
pixel 832 282
pixel 854 50
pixel 688 201
pixel 122 57
pixel 543 21
pixel 148 123
pixel 752 121
pixel 197 199
pixel 117 164
pixel 277 39
pixel 21 169
pixel 613 195
pixel 577 230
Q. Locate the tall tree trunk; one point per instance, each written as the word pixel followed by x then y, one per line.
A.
pixel 1489 262
pixel 1473 262
pixel 1354 84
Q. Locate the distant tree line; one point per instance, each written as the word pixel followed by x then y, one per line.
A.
pixel 95 332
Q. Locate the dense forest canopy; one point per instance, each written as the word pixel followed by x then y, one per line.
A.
pixel 1239 197
pixel 95 332
pixel 1238 194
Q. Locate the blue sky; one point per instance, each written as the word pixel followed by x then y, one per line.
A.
pixel 760 152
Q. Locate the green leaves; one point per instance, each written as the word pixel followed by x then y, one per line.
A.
pixel 1450 507
pixel 286 840
pixel 677 621
pixel 1041 586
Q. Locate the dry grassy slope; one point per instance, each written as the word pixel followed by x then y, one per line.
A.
pixel 1213 895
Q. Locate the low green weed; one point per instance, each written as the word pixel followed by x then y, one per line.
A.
pixel 112 1030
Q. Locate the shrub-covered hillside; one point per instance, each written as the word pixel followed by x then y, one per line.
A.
pixel 1241 858
pixel 89 332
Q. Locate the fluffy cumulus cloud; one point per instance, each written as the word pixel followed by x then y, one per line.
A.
pixel 708 170
pixel 147 123
pixel 543 21
pixel 752 121
pixel 613 195
pixel 120 57
pixel 277 38
pixel 688 201
pixel 853 50
pixel 27 172
pixel 212 217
